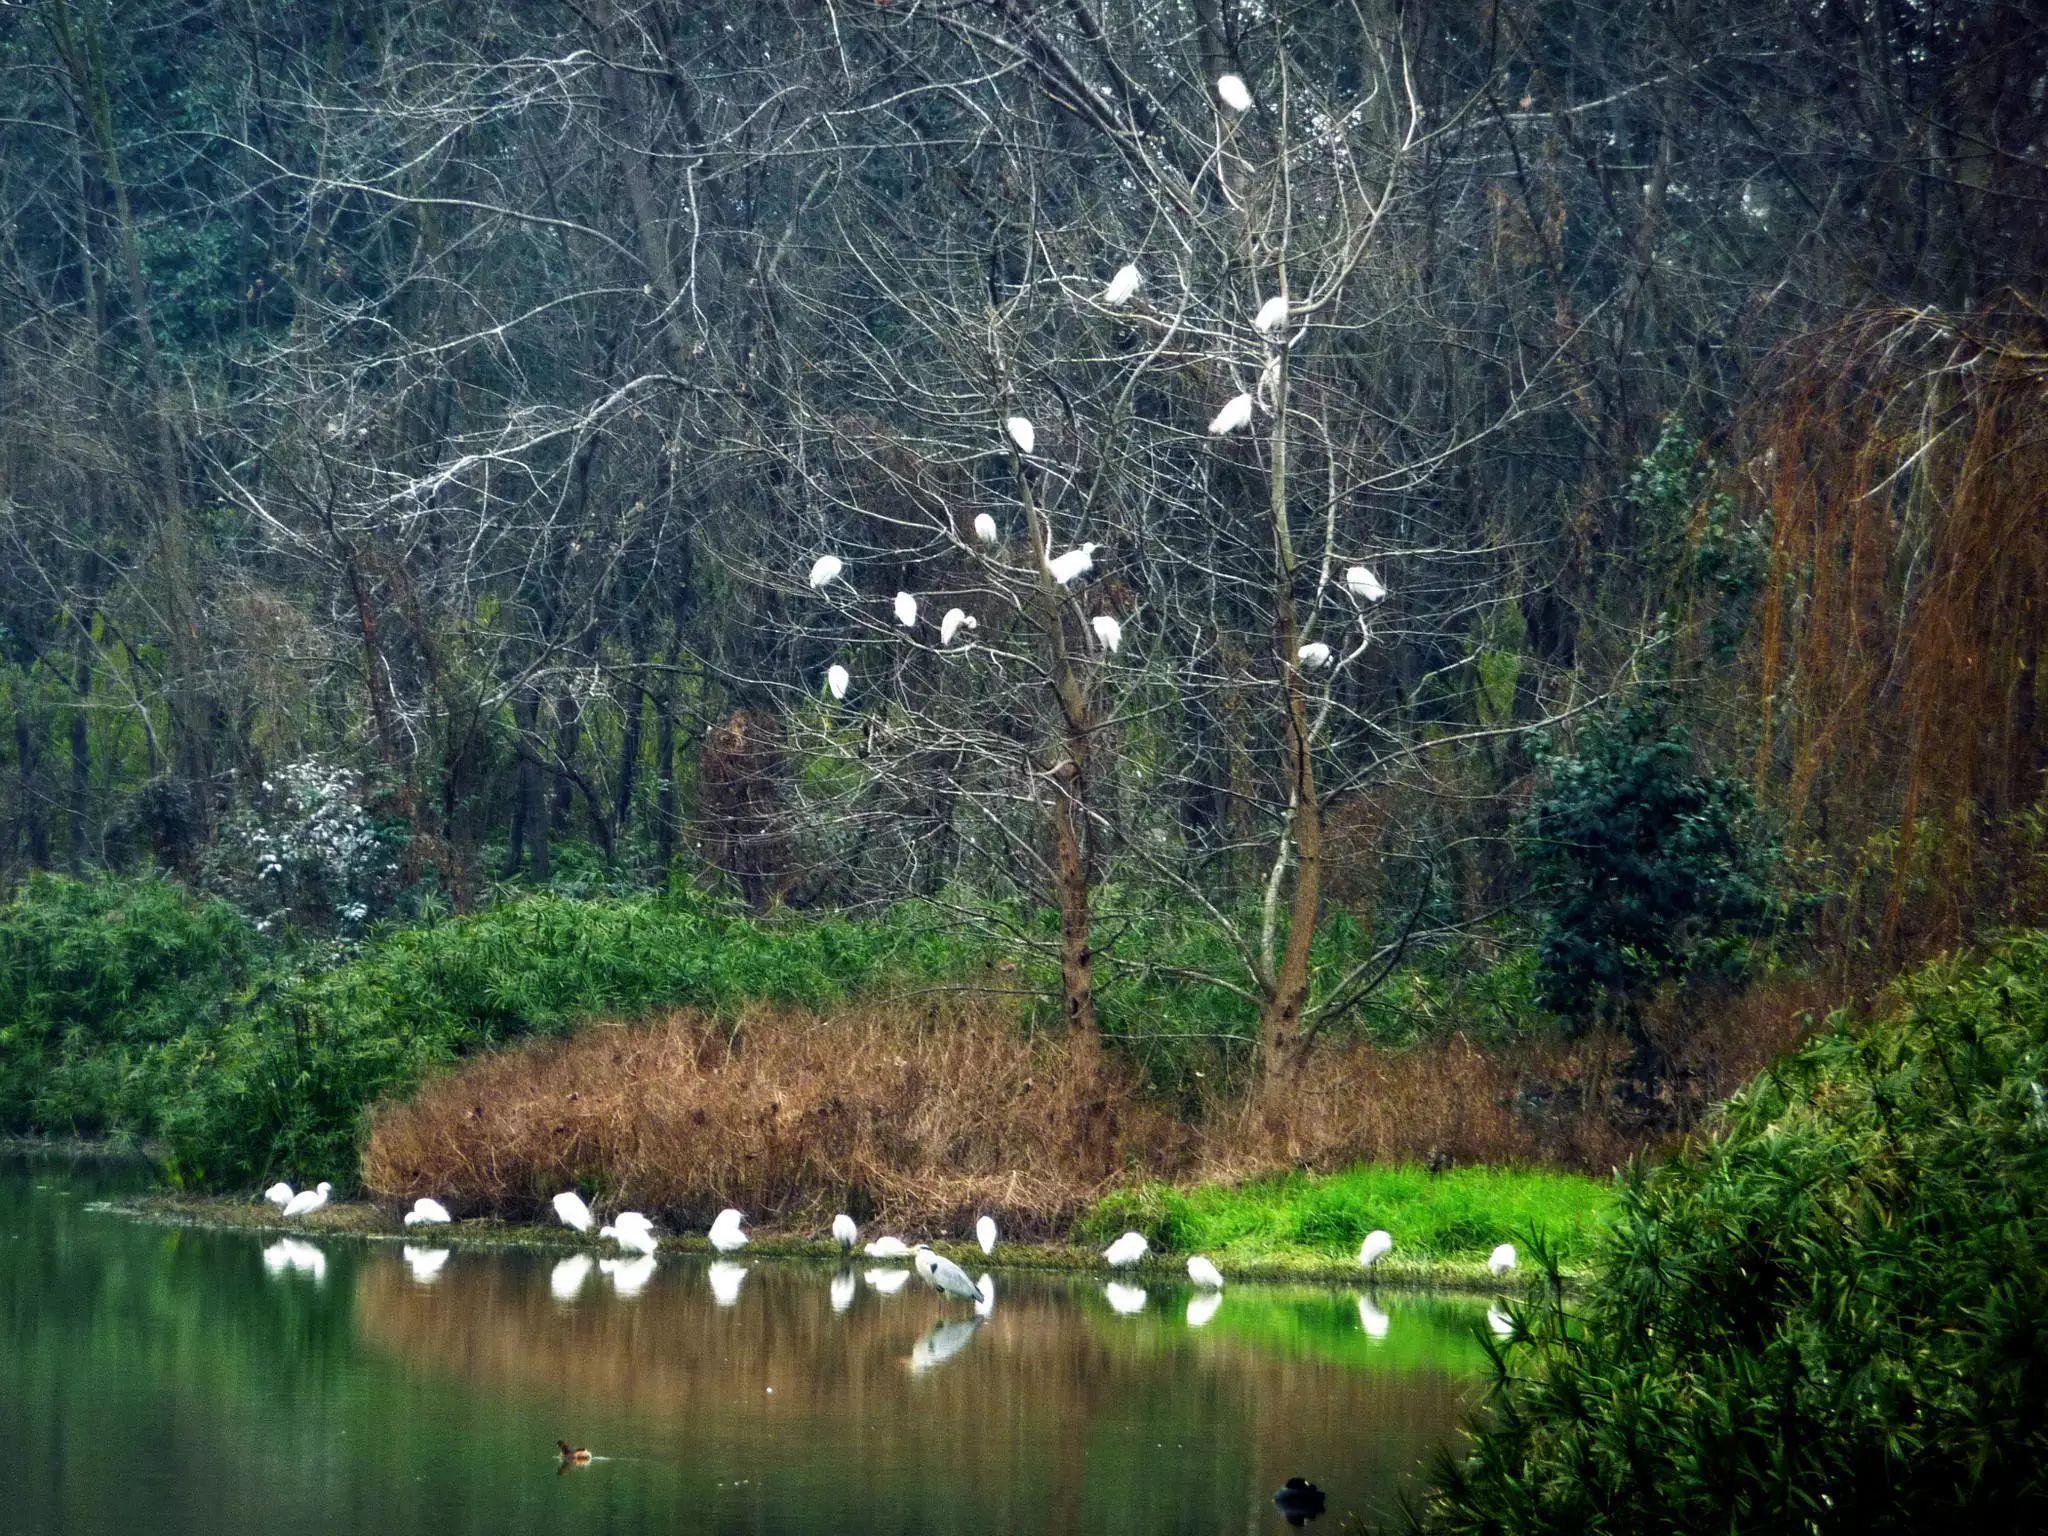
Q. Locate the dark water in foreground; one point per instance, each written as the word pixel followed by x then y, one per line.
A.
pixel 170 1381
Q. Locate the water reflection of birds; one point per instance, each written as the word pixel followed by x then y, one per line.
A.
pixel 1125 1300
pixel 1202 1306
pixel 1300 1500
pixel 1371 1318
pixel 944 1340
pixel 1498 1320
pixel 288 1253
pixel 887 1281
pixel 629 1277
pixel 844 1284
pixel 567 1277
pixel 425 1263
pixel 725 1282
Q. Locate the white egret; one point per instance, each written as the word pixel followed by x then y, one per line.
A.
pixel 1235 93
pixel 307 1201
pixel 1363 582
pixel 1371 1319
pixel 985 528
pixel 640 1240
pixel 1202 1272
pixel 955 621
pixel 946 1338
pixel 633 1219
pixel 1126 1250
pixel 836 680
pixel 725 1233
pixel 985 1234
pixel 425 1263
pixel 1202 1306
pixel 843 1287
pixel 1272 314
pixel 1498 1320
pixel 1237 410
pixel 1108 631
pixel 943 1275
pixel 567 1277
pixel 427 1213
pixel 1073 564
pixel 1378 1243
pixel 573 1212
pixel 279 1194
pixel 1123 285
pixel 630 1276
pixel 1125 1300
pixel 887 1248
pixel 844 1232
pixel 1313 656
pixel 984 1297
pixel 1022 433
pixel 887 1281
pixel 725 1281
pixel 906 609
pixel 825 569
pixel 1501 1260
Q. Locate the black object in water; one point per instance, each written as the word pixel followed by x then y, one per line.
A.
pixel 1300 1501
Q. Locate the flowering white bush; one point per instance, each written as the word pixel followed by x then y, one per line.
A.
pixel 307 851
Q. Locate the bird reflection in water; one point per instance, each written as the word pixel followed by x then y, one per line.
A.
pixel 567 1277
pixel 1371 1318
pixel 629 1277
pixel 844 1284
pixel 288 1253
pixel 945 1340
pixel 1125 1300
pixel 725 1282
pixel 1202 1306
pixel 887 1281
pixel 425 1263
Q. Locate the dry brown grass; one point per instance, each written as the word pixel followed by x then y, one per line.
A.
pixel 929 1118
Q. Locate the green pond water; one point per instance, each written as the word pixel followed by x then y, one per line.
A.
pixel 166 1380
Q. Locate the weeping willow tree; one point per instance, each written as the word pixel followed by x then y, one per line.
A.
pixel 1905 618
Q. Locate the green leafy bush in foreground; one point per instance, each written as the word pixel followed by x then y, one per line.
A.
pixel 1834 1317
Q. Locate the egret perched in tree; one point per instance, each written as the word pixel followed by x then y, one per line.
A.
pixel 842 1289
pixel 906 609
pixel 1125 1300
pixel 887 1248
pixel 824 569
pixel 985 528
pixel 836 680
pixel 887 1281
pixel 1126 1250
pixel 1074 564
pixel 1362 582
pixel 1371 1319
pixel 1108 631
pixel 1313 656
pixel 725 1282
pixel 279 1194
pixel 725 1233
pixel 1235 93
pixel 570 1208
pixel 1237 410
pixel 307 1201
pixel 427 1213
pixel 844 1232
pixel 1501 1260
pixel 943 1275
pixel 1022 433
pixel 985 1234
pixel 1202 1272
pixel 425 1263
pixel 1375 1247
pixel 1272 314
pixel 1123 285
pixel 1202 1306
pixel 567 1277
pixel 955 620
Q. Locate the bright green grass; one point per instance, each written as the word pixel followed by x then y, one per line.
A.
pixel 1452 1218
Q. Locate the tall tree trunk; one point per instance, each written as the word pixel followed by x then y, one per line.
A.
pixel 81 752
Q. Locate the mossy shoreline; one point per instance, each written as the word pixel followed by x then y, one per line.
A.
pixel 368 1222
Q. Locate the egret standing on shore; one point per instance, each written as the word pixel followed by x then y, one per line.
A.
pixel 725 1233
pixel 844 1232
pixel 985 1234
pixel 279 1194
pixel 573 1212
pixel 887 1248
pixel 427 1213
pixel 1375 1247
pixel 1126 1250
pixel 307 1201
pixel 1204 1273
pixel 1498 1262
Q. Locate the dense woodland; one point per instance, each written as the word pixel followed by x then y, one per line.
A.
pixel 419 424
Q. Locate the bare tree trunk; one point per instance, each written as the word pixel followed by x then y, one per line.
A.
pixel 81 751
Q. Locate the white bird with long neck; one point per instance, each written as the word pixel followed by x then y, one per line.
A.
pixel 956 619
pixel 1204 1273
pixel 985 528
pixel 1376 1246
pixel 1272 314
pixel 572 1212
pixel 1022 433
pixel 1126 1251
pixel 844 1232
pixel 1124 285
pixel 307 1201
pixel 427 1213
pixel 837 680
pixel 1237 410
pixel 1235 94
pixel 725 1233
pixel 1108 631
pixel 279 1194
pixel 985 1234
pixel 906 609
pixel 1072 565
pixel 943 1275
pixel 825 569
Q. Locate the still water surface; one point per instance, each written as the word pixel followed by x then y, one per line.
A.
pixel 182 1382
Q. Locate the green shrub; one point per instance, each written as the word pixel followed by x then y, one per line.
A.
pixel 1829 1318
